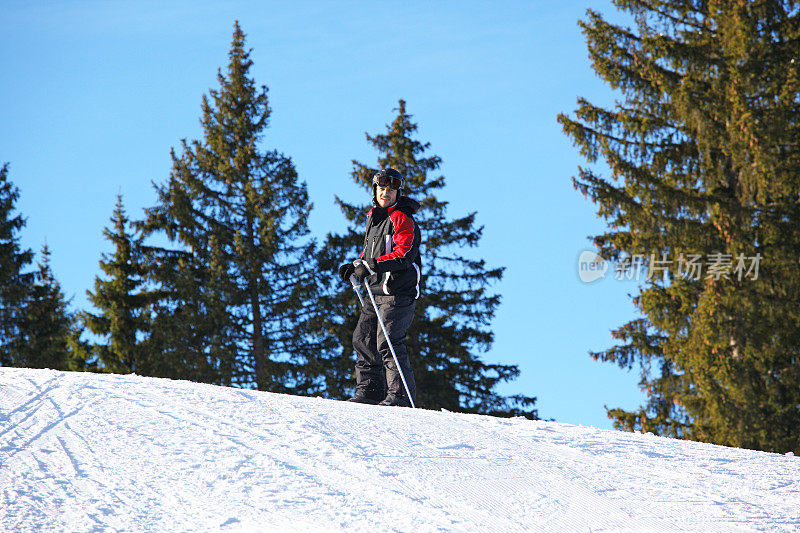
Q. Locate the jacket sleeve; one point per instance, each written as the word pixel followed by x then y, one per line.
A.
pixel 406 244
pixel 364 248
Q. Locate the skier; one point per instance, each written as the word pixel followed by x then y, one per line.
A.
pixel 391 263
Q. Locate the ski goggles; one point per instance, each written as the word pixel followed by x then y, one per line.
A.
pixel 383 180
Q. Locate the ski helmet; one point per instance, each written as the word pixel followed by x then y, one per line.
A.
pixel 388 177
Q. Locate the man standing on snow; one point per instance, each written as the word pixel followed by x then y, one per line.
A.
pixel 390 262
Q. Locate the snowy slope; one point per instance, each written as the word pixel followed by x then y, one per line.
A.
pixel 83 452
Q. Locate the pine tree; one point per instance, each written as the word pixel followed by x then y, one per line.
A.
pixel 14 280
pixel 122 301
pixel 185 329
pixel 235 289
pixel 47 324
pixel 704 160
pixel 81 354
pixel 452 316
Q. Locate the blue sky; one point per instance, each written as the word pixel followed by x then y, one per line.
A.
pixel 94 95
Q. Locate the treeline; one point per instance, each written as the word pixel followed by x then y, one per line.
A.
pixel 221 281
pixel 703 148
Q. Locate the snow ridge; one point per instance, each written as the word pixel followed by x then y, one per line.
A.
pixel 88 452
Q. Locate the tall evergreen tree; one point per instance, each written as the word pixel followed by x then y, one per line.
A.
pixel 122 301
pixel 14 280
pixel 452 316
pixel 704 155
pixel 47 324
pixel 236 283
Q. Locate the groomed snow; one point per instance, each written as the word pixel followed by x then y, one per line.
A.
pixel 88 452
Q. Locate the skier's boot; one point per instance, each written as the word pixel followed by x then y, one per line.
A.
pixel 365 396
pixel 396 400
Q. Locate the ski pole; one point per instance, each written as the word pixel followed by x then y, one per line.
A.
pixel 386 334
pixel 357 288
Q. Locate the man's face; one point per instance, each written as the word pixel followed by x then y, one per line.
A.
pixel 386 196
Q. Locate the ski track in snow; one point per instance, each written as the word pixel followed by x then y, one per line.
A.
pixel 88 452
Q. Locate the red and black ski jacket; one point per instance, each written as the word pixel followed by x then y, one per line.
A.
pixel 392 241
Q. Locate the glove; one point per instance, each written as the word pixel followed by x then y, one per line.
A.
pixel 364 268
pixel 346 270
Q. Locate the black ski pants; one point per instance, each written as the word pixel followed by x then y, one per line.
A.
pixel 372 350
